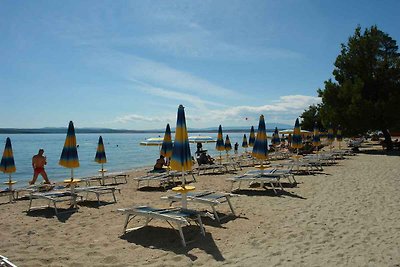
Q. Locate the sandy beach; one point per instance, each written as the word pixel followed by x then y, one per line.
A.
pixel 346 215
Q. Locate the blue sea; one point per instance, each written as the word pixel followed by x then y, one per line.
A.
pixel 123 152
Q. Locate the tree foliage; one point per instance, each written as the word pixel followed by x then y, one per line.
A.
pixel 309 117
pixel 366 92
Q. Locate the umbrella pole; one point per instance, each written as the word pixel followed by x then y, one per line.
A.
pixel 184 197
pixel 10 188
pixel 297 160
pixel 220 157
pixel 102 174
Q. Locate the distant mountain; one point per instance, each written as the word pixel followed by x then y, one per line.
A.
pixel 56 130
pixel 270 127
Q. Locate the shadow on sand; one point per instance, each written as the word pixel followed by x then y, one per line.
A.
pixel 63 213
pixel 268 192
pixel 168 239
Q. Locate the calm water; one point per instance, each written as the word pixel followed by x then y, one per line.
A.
pixel 123 153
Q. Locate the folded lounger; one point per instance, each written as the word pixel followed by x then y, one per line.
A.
pixel 98 190
pixel 206 197
pixel 53 197
pixel 174 216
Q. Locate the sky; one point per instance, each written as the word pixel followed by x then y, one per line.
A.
pixel 130 64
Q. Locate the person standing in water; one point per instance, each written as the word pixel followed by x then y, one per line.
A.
pixel 38 162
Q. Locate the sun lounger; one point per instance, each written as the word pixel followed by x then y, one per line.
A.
pixel 114 177
pixel 54 197
pixel 175 216
pixel 206 197
pixel 263 177
pixel 5 262
pixel 162 178
pixel 98 190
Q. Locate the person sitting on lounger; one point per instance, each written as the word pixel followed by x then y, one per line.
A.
pixel 38 162
pixel 159 164
pixel 205 159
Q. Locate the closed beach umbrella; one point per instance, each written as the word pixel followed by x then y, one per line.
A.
pixel 220 146
pixel 220 140
pixel 245 145
pixel 69 155
pixel 166 147
pixel 276 141
pixel 181 159
pixel 339 136
pixel 100 153
pixel 101 156
pixel 316 142
pixel 252 137
pixel 7 164
pixel 331 136
pixel 297 141
pixel 260 148
pixel 228 146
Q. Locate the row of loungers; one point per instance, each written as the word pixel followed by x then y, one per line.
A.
pixel 70 195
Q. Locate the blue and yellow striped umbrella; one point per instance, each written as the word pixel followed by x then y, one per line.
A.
pixel 276 141
pixel 228 146
pixel 100 153
pixel 167 147
pixel 331 136
pixel 7 164
pixel 181 159
pixel 220 146
pixel 316 141
pixel 339 136
pixel 260 148
pixel 252 137
pixel 69 155
pixel 244 142
pixel 297 141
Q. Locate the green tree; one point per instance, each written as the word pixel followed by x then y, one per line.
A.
pixel 366 93
pixel 309 117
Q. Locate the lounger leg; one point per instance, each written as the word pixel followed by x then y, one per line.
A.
pixel 98 198
pixel 201 225
pixel 126 223
pixel 230 205
pixel 115 199
pixel 273 188
pixel 215 214
pixel 30 203
pixel 181 234
pixel 55 208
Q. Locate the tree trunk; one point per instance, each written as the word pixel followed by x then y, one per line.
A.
pixel 388 139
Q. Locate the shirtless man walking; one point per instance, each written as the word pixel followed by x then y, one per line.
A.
pixel 38 162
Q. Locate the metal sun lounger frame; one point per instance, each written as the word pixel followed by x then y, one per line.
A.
pixel 53 197
pixel 206 197
pixel 98 190
pixel 270 177
pixel 5 262
pixel 178 216
pixel 163 178
pixel 107 177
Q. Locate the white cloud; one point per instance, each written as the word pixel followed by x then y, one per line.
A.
pixel 284 110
